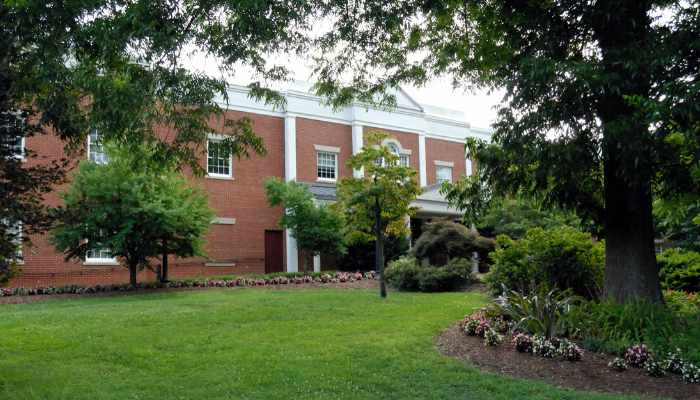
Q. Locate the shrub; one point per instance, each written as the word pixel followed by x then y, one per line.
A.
pixel 675 362
pixel 654 368
pixel 543 347
pixel 522 343
pixel 618 365
pixel 638 355
pixel 691 373
pixel 572 352
pixel 475 324
pixel 406 274
pixel 446 238
pixel 361 256
pixel 492 338
pixel 546 312
pixel 563 257
pixel 679 270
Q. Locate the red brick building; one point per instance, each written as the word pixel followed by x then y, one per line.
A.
pixel 306 142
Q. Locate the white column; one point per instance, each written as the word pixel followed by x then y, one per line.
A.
pixel 357 146
pixel 290 172
pixel 422 166
pixel 317 263
pixel 469 164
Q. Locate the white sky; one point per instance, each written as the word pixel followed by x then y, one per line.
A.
pixel 478 108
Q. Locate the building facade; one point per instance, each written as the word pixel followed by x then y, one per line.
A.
pixel 306 142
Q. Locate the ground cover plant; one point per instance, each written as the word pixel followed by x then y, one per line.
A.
pixel 247 344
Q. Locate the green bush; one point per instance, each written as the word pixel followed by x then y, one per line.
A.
pixel 679 270
pixel 565 257
pixel 406 274
pixel 544 312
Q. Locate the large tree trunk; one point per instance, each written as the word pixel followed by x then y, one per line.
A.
pixel 621 28
pixel 630 260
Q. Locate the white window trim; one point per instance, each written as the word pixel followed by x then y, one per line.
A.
pixel 335 172
pixel 444 164
pixel 211 175
pixel 327 149
pixel 402 151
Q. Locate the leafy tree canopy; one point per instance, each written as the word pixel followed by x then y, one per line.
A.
pixel 600 111
pixel 376 204
pixel 134 206
pixel 515 218
pixel 314 226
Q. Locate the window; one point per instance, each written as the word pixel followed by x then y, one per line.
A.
pixel 96 151
pixel 658 247
pixel 13 136
pixel 444 174
pixel 216 163
pixel 100 254
pixel 327 166
pixel 393 149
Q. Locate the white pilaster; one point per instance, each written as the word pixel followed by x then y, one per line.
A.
pixel 290 172
pixel 317 264
pixel 357 146
pixel 422 166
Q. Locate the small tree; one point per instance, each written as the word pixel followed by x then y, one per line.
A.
pixel 316 229
pixel 447 238
pixel 377 204
pixel 134 206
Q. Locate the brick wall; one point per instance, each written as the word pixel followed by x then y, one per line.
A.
pixel 442 150
pixel 311 133
pixel 242 198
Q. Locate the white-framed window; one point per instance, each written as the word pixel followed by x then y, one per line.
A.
pixel 102 254
pixel 444 174
pixel 658 247
pixel 217 164
pixel 14 142
pixel 327 165
pixel 394 149
pixel 96 151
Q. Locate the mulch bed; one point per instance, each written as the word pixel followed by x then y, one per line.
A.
pixel 364 284
pixel 591 374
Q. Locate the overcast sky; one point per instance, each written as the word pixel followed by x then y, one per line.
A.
pixel 477 108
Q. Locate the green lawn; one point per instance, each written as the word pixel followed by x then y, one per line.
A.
pixel 254 344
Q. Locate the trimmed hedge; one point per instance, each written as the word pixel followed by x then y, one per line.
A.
pixel 406 274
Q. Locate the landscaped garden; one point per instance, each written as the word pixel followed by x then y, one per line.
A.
pixel 247 344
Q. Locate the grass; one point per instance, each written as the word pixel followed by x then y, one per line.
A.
pixel 251 344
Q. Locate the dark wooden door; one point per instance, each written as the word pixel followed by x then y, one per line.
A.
pixel 273 252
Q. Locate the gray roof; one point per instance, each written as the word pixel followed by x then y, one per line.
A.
pixel 322 191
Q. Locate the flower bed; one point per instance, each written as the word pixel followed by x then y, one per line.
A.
pixel 338 277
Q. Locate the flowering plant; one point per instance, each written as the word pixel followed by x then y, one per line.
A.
pixel 637 355
pixel 675 362
pixel 654 368
pixel 492 338
pixel 691 373
pixel 522 343
pixel 543 347
pixel 618 365
pixel 325 278
pixel 572 352
pixel 475 324
pixel 373 273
